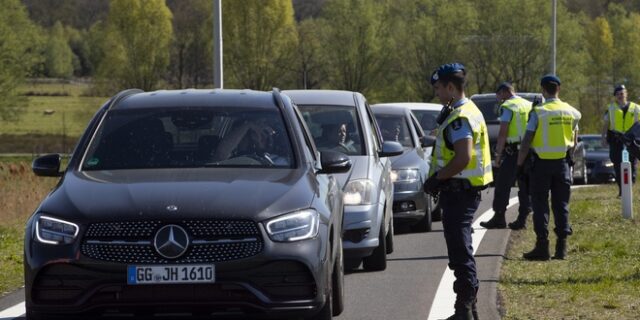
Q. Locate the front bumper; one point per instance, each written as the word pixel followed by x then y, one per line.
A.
pixel 598 173
pixel 409 205
pixel 284 279
pixel 361 229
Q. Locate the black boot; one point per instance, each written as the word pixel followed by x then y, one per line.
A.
pixel 497 222
pixel 462 313
pixel 518 224
pixel 561 249
pixel 540 252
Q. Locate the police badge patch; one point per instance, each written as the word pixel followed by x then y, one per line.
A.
pixel 456 124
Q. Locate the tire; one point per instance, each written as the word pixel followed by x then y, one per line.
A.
pixel 377 261
pixel 337 283
pixel 424 224
pixel 389 238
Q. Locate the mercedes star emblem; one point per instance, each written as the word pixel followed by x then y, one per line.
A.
pixel 171 241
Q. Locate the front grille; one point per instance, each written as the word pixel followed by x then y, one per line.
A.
pixel 211 241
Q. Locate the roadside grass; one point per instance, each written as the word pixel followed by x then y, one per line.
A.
pixel 20 193
pixel 600 278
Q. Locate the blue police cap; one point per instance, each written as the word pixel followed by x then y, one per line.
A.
pixel 619 87
pixel 446 69
pixel 550 78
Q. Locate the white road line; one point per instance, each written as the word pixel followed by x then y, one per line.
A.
pixel 442 306
pixel 13 312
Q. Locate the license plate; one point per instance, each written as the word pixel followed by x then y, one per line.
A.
pixel 154 274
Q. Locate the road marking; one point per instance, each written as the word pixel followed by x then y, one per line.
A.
pixel 13 312
pixel 442 306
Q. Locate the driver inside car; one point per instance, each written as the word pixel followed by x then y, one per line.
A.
pixel 254 140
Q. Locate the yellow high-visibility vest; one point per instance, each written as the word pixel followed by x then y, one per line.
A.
pixel 519 108
pixel 478 170
pixel 620 121
pixel 555 132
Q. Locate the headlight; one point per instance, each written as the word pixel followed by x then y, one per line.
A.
pixel 404 175
pixel 358 192
pixel 295 226
pixel 608 164
pixel 55 231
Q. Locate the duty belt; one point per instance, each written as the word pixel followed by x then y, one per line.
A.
pixel 511 148
pixel 456 185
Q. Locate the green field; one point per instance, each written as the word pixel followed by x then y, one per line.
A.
pixel 56 115
pixel 599 280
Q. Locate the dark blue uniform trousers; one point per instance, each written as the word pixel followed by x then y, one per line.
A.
pixel 458 208
pixel 503 183
pixel 551 176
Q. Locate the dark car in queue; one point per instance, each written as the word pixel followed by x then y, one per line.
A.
pixel 343 121
pixel 410 169
pixel 202 202
pixel 598 166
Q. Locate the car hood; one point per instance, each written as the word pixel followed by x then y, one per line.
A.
pixel 409 159
pixel 255 194
pixel 596 156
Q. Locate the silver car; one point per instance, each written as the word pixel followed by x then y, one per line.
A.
pixel 343 121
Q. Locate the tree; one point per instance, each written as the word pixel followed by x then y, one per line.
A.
pixel 191 51
pixel 355 44
pixel 309 61
pixel 136 45
pixel 259 43
pixel 59 58
pixel 20 51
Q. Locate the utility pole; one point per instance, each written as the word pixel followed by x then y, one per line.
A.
pixel 217 45
pixel 554 4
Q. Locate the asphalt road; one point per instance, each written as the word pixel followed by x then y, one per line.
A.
pixel 407 289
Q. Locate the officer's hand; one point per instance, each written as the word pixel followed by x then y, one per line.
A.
pixel 497 161
pixel 432 184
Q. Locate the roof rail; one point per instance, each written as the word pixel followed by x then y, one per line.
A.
pixel 121 95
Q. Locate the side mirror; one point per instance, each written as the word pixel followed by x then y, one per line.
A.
pixel 334 162
pixel 47 166
pixel 427 141
pixel 390 149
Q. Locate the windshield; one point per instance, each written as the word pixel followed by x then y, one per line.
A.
pixel 190 137
pixel 427 119
pixel 395 128
pixel 593 144
pixel 334 128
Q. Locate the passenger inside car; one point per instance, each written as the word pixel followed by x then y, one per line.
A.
pixel 336 137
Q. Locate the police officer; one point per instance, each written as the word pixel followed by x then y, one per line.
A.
pixel 618 118
pixel 461 168
pixel 551 133
pixel 514 113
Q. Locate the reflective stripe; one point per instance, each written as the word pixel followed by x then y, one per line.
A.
pixel 618 120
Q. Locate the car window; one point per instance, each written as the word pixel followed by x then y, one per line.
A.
pixel 334 128
pixel 395 128
pixel 189 137
pixel 593 144
pixel 489 107
pixel 427 119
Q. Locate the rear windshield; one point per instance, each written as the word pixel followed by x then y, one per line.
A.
pixel 190 137
pixel 395 128
pixel 334 128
